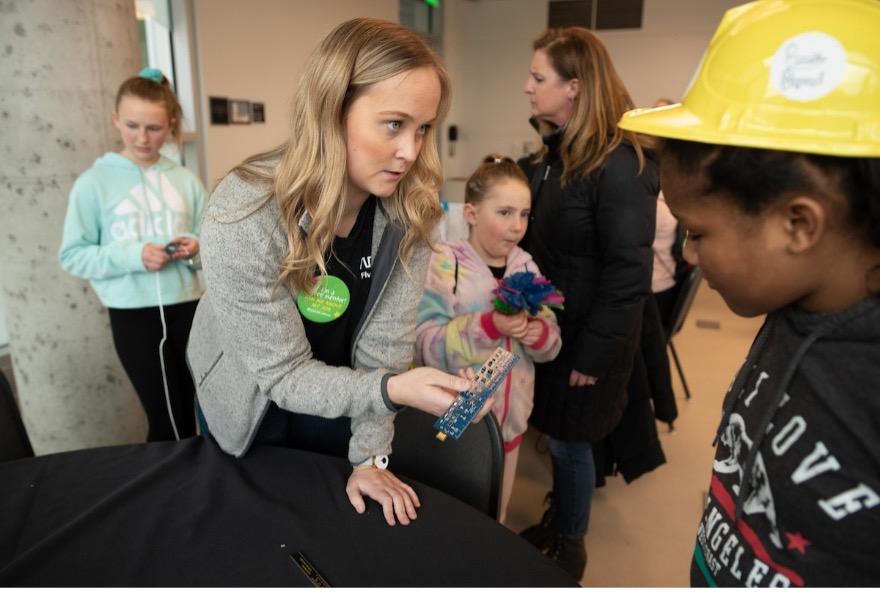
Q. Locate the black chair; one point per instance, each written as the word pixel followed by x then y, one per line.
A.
pixel 14 442
pixel 468 469
pixel 683 301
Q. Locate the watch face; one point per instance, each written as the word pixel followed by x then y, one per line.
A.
pixel 381 461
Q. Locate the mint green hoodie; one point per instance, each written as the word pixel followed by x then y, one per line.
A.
pixel 115 208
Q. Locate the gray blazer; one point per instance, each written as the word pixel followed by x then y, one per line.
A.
pixel 248 345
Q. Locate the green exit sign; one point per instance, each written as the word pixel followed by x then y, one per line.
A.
pixel 434 3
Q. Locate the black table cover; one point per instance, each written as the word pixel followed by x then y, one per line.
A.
pixel 186 514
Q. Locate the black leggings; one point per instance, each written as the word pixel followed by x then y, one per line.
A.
pixel 136 335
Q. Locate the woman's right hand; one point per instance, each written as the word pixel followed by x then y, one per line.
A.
pixel 154 256
pixel 429 389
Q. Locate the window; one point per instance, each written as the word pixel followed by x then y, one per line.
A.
pixel 164 29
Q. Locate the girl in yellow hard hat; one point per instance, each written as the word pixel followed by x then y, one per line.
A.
pixel 772 163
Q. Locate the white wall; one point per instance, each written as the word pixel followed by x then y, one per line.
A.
pixel 255 51
pixel 487 47
pixel 660 58
pixel 488 51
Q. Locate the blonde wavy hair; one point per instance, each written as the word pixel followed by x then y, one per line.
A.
pixel 591 134
pixel 311 176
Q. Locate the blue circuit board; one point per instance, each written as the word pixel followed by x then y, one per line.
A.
pixel 466 405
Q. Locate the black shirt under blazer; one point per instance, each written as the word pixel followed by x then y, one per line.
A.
pixel 593 240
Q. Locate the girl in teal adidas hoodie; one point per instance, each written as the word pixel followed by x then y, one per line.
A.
pixel 132 230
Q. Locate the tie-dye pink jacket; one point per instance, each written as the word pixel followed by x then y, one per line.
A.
pixel 455 329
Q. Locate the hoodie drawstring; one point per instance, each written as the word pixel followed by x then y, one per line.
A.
pixel 746 486
pixel 744 377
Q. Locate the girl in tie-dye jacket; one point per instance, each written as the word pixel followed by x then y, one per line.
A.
pixel 457 326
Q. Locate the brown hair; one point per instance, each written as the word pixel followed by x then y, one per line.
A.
pixel 310 176
pixel 592 133
pixel 492 169
pixel 155 92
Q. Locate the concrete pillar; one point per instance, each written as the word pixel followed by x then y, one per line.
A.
pixel 60 66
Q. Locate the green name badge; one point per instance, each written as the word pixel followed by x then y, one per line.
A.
pixel 329 301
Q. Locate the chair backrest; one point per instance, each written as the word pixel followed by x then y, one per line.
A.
pixel 683 301
pixel 14 442
pixel 468 469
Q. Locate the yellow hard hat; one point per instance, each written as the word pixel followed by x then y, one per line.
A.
pixel 796 75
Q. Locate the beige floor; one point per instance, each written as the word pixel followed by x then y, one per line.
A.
pixel 642 534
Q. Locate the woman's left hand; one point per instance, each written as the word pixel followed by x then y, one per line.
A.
pixel 187 247
pixel 578 379
pixel 396 497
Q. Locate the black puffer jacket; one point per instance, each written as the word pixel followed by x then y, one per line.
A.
pixel 593 241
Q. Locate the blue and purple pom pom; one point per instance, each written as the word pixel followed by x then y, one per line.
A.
pixel 524 290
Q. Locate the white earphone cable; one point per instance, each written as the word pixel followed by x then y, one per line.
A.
pixel 162 357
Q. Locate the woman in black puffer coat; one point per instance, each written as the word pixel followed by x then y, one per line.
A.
pixel 594 191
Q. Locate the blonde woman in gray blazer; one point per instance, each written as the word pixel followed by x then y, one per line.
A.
pixel 361 144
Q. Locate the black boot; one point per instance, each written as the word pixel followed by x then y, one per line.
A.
pixel 541 535
pixel 570 554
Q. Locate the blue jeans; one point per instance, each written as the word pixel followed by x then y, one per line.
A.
pixel 574 481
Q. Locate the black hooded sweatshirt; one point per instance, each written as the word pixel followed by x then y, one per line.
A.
pixel 794 498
